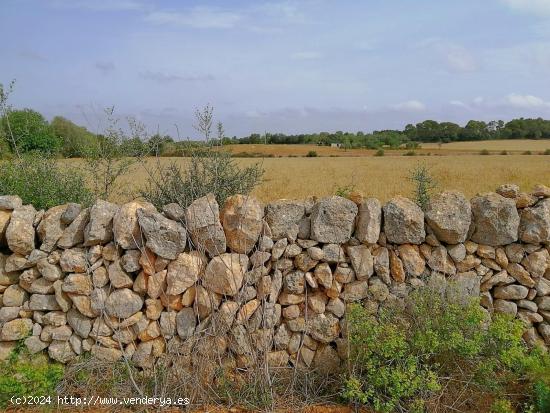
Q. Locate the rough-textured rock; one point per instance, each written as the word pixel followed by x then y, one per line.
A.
pixel 495 220
pixel 441 262
pixel 241 218
pixel 534 225
pixel 74 233
pixel 323 327
pixel 185 271
pixel 448 214
pixel 165 237
pixel 73 260
pixel 224 274
pixel 10 202
pixel 403 222
pixel 369 221
pixel 20 232
pixel 202 219
pixel 283 217
pixel 126 227
pixel 333 220
pixel 123 303
pixel 51 228
pixel 413 263
pixel 511 292
pixel 186 323
pixel 361 261
pixel 99 229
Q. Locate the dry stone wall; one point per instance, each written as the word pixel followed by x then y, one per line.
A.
pixel 136 282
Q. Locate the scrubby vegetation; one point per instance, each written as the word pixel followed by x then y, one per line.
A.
pixel 438 352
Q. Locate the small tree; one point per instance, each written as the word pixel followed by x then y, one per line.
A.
pixel 203 123
pixel 6 132
pixel 424 183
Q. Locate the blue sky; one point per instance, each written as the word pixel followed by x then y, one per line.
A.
pixel 279 66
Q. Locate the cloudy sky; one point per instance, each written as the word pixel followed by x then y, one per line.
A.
pixel 279 66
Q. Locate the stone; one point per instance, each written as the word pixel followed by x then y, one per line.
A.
pixel 16 329
pixel 14 296
pixel 203 224
pixel 457 252
pixel 224 273
pixel 168 324
pixel 323 275
pixel 323 327
pixel 369 219
pixel 106 353
pixel 448 215
pixel 396 268
pixel 543 287
pixel 520 274
pixel 511 292
pixel 20 232
pixel 294 282
pixel 62 299
pixel 440 261
pixel 333 220
pixel 41 286
pixel 241 219
pixel 246 311
pixel 51 228
pixel 495 219
pixel 292 311
pixel 537 262
pixel 123 303
pixel 41 302
pixel 361 261
pixel 61 351
pixel 283 217
pixel 78 284
pixel 164 237
pixel 508 190
pixel 277 359
pixel 62 333
pixel 5 217
pixel 333 253
pixel 541 191
pixel 186 323
pixel 99 229
pixel 49 271
pixel 413 263
pixel 355 291
pixel 74 233
pixel 185 271
pixel 514 252
pixel 403 222
pixel 525 200
pixel 463 287
pixel 304 262
pixel 35 345
pixel 381 259
pixel 174 211
pixel 543 303
pixel 534 224
pixel 81 324
pixel 10 202
pixel 70 213
pixel 130 261
pixel 126 227
pixel 73 260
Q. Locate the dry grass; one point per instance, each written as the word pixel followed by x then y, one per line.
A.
pixel 382 177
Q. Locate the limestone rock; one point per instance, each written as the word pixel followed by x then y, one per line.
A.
pixel 74 233
pixel 123 303
pixel 534 225
pixel 323 327
pixel 73 260
pixel 41 302
pixel 186 323
pixel 441 262
pixel 448 214
pixel 10 202
pixel 224 273
pixel 403 222
pixel 165 237
pixel 361 261
pixel 20 232
pixel 495 219
pixel 174 211
pixel 508 190
pixel 413 263
pixel 369 220
pixel 51 228
pixel 126 227
pixel 283 217
pixel 99 229
pixel 333 220
pixel 511 292
pixel 203 224
pixel 241 218
pixel 185 271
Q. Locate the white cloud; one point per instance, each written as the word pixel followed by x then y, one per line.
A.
pixel 161 77
pixel 460 59
pixel 537 7
pixel 526 101
pixel 197 17
pixel 411 106
pixel 459 103
pixel 306 55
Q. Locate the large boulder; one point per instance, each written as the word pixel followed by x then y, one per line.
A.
pixel 241 218
pixel 123 303
pixel 100 226
pixel 449 215
pixel 284 216
pixel 20 232
pixel 534 226
pixel 16 329
pixel 332 220
pixel 369 220
pixel 74 233
pixel 323 327
pixel 125 224
pixel 185 271
pixel 51 228
pixel 225 273
pixel 403 222
pixel 10 202
pixel 165 237
pixel 4 222
pixel 496 220
pixel 202 219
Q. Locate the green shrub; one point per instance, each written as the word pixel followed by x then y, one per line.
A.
pixel 410 153
pixel 484 152
pixel 311 154
pixel 527 153
pixel 546 152
pixel 42 182
pixel 26 375
pixel 30 131
pixel 379 152
pixel 424 183
pixel 504 152
pixel 208 171
pixel 403 360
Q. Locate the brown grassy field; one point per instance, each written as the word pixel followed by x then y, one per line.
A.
pixel 381 177
pixel 453 148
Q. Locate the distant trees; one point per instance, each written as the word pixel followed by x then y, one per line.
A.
pixel 31 132
pixel 74 139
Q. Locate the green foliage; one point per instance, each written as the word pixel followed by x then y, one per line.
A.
pixel 31 132
pixel 527 153
pixel 40 181
pixel 75 140
pixel 379 152
pixel 484 152
pixel 26 375
pixel 311 154
pixel 504 152
pixel 502 406
pixel 410 153
pixel 424 183
pixel 546 152
pixel 208 171
pixel 405 358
